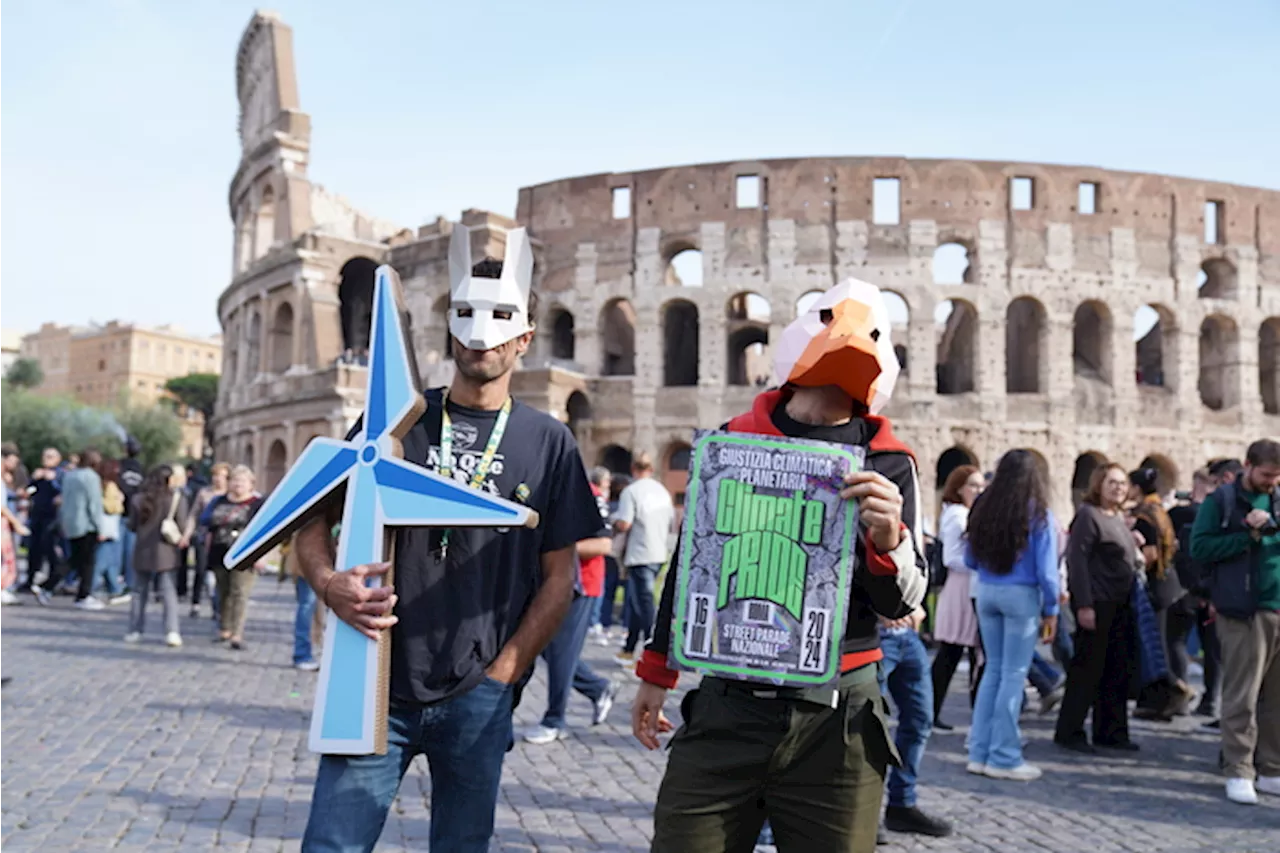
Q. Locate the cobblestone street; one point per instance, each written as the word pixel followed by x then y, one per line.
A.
pixel 131 748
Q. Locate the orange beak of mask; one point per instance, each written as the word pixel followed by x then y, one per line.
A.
pixel 842 340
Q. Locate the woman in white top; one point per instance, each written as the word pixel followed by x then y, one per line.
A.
pixel 957 621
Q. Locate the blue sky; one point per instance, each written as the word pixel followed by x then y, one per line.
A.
pixel 118 117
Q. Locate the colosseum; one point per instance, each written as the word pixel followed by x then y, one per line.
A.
pixel 1080 312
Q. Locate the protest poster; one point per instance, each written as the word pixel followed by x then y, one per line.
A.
pixel 765 563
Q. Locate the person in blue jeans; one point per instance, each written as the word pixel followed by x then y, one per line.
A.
pixel 905 675
pixel 1013 546
pixel 303 659
pixel 471 607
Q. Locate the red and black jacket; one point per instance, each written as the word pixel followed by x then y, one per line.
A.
pixel 879 579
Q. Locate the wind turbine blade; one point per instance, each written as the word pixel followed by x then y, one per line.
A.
pixel 321 467
pixel 410 495
pixel 392 392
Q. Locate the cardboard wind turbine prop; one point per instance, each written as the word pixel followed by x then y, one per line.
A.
pixel 382 492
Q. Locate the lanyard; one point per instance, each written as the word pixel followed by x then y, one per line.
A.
pixel 445 468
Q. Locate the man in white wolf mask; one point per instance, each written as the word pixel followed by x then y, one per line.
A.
pixel 471 608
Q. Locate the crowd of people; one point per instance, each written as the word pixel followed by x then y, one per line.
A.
pixel 1112 597
pixel 1126 584
pixel 108 532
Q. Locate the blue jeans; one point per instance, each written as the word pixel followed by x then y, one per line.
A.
pixel 1009 618
pixel 127 540
pixel 106 566
pixel 904 675
pixel 565 667
pixel 640 581
pixel 1043 677
pixel 464 739
pixel 604 609
pixel 302 620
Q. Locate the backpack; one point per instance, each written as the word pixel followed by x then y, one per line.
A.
pixel 933 558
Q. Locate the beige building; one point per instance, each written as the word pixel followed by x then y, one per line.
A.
pixel 1080 312
pixel 105 365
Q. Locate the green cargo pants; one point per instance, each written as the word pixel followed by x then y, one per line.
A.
pixel 746 753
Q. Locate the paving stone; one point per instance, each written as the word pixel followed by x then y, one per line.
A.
pixel 200 748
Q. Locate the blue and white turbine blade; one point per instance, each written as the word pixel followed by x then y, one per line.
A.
pixel 322 466
pixel 409 495
pixel 392 391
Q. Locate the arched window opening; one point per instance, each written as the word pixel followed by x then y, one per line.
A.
pixel 750 360
pixel 248 453
pixel 899 325
pixel 1219 363
pixel 1091 342
pixel 805 302
pixel 956 325
pixel 676 472
pixel 685 269
pixel 282 339
pixel 680 344
pixel 616 458
pixel 1216 279
pixel 277 462
pixel 562 340
pixel 952 264
pixel 1155 340
pixel 618 339
pixel 578 412
pixel 1269 365
pixel 1025 340
pixel 355 297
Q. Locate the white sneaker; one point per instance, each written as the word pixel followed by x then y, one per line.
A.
pixel 976 768
pixel 7 597
pixel 604 704
pixel 306 666
pixel 1022 773
pixel 122 598
pixel 544 734
pixel 1242 791
pixel 173 638
pixel 90 603
pixel 625 659
pixel 1268 785
pixel 133 637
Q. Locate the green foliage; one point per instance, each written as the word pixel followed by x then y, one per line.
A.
pixel 35 422
pixel 156 428
pixel 24 373
pixel 197 391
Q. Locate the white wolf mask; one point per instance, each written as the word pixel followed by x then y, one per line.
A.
pixel 487 312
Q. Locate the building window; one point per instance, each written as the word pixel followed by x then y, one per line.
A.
pixel 1213 222
pixel 747 191
pixel 886 201
pixel 622 202
pixel 1087 201
pixel 102 364
pixel 1022 193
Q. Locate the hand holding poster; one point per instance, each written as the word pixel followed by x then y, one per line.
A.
pixel 766 559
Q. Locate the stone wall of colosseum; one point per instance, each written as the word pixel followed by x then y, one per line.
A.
pixel 1036 347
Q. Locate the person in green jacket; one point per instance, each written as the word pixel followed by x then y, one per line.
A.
pixel 1237 539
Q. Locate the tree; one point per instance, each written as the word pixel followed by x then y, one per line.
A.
pixel 156 428
pixel 24 373
pixel 198 391
pixel 34 423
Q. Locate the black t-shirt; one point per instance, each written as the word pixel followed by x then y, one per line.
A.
pixel 456 614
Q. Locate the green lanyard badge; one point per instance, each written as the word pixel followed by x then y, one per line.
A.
pixel 445 468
